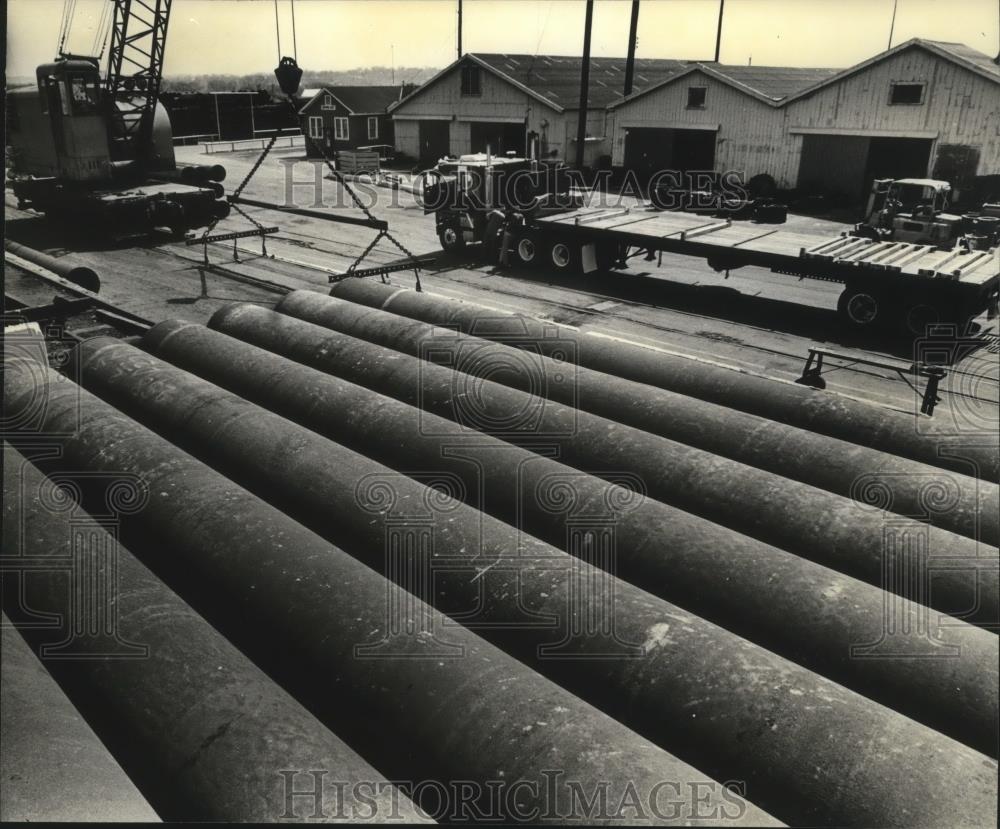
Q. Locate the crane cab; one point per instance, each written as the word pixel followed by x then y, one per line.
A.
pixel 70 125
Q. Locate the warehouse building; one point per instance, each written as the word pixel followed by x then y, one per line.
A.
pixel 348 117
pixel 923 108
pixel 506 101
pixel 708 117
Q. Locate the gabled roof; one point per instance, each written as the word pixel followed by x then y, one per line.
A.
pixel 554 80
pixel 769 84
pixel 359 100
pixel 557 78
pixel 958 53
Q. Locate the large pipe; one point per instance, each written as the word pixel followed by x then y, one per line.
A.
pixel 661 670
pixel 901 486
pixel 76 273
pixel 801 610
pixel 53 766
pixel 158 682
pixel 833 530
pixel 429 702
pixel 195 174
pixel 919 438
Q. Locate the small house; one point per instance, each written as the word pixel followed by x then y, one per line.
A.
pixel 348 117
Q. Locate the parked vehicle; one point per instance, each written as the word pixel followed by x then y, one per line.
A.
pixel 521 215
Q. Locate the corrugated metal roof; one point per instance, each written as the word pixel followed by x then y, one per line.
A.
pixel 969 55
pixel 557 77
pixel 774 82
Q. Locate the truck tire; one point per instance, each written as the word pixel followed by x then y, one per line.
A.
pixel 919 314
pixel 527 251
pixel 563 257
pixel 451 238
pixel 493 237
pixel 607 255
pixel 863 307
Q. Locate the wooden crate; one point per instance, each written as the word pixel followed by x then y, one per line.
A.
pixel 357 161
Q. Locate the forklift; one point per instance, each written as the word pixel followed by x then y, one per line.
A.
pixel 917 210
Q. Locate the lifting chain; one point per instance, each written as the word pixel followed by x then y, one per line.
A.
pixel 233 203
pixel 339 178
pixel 287 73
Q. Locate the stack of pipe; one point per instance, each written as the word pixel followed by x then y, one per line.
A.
pixel 842 417
pixel 486 559
pixel 442 704
pixel 833 530
pixel 662 670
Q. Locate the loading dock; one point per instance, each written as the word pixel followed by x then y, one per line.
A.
pixel 845 165
pixel 499 137
pixel 651 149
pixel 434 140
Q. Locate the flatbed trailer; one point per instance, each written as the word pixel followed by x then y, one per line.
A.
pixel 885 282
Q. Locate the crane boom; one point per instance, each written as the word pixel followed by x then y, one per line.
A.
pixel 135 66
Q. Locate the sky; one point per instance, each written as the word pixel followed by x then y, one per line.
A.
pixel 238 36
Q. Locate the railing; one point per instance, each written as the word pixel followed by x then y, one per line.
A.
pixel 290 140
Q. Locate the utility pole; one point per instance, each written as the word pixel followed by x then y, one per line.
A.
pixel 459 28
pixel 581 128
pixel 718 33
pixel 892 25
pixel 633 32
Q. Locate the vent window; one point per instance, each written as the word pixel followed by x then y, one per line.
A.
pixel 906 93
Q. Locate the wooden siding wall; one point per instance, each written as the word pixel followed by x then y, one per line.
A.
pixel 499 101
pixel 960 106
pixel 750 137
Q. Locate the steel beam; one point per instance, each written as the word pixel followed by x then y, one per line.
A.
pixel 375 224
pixel 900 434
pixel 643 660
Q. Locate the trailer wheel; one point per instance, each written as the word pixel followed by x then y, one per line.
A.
pixel 564 257
pixel 862 307
pixel 451 238
pixel 919 315
pixel 526 248
pixel 607 255
pixel 493 237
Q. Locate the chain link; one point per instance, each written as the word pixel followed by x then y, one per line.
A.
pixel 339 178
